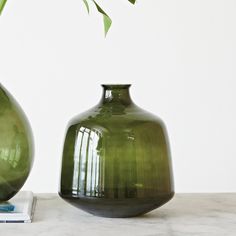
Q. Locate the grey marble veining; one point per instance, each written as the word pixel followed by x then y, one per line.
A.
pixel 185 215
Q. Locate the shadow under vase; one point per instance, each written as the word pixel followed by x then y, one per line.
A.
pixel 117 208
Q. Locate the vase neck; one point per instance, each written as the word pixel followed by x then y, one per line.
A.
pixel 116 94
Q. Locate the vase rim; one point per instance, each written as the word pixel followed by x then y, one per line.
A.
pixel 116 86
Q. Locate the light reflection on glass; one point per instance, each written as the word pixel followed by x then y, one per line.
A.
pixel 87 164
pixel 11 156
pixel 108 94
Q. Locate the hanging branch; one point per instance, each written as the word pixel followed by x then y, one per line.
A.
pixel 106 19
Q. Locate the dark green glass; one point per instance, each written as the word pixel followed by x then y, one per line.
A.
pixel 116 160
pixel 16 146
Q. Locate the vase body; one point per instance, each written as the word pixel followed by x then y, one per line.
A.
pixel 16 146
pixel 116 159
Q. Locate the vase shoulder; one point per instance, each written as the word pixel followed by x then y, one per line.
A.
pixel 110 116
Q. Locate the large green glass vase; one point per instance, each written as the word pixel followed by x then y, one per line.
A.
pixel 16 146
pixel 116 160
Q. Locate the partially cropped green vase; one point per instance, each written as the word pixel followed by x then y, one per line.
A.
pixel 16 146
pixel 116 159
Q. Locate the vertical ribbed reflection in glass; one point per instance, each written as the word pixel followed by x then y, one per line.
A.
pixel 91 170
pixel 77 154
pixel 86 163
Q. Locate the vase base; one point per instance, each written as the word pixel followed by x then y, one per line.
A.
pixel 113 208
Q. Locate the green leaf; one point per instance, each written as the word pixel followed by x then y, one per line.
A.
pixel 86 4
pixel 2 4
pixel 132 1
pixel 106 19
pixel 107 23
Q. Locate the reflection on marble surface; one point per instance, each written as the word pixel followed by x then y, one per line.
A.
pixel 186 214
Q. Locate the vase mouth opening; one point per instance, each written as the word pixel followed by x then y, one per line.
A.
pixel 116 86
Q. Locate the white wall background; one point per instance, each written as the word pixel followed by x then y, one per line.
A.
pixel 179 55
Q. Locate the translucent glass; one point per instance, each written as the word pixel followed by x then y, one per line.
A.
pixel 116 159
pixel 16 146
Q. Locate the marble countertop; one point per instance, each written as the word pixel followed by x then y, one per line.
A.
pixel 186 214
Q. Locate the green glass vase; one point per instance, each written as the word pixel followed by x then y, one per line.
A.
pixel 116 160
pixel 16 146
